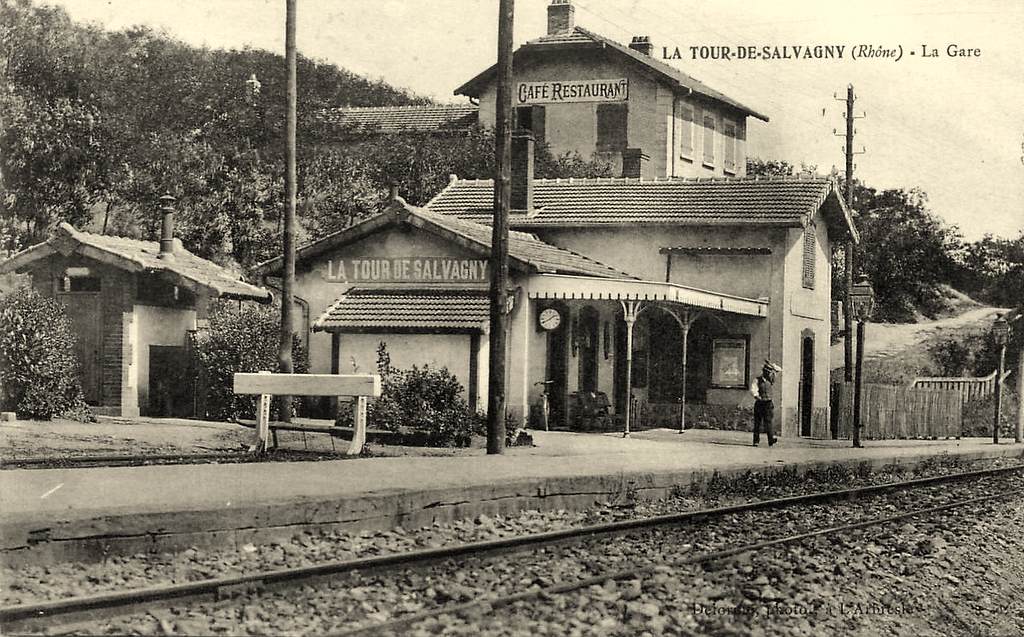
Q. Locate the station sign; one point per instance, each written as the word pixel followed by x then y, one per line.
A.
pixel 572 91
pixel 420 270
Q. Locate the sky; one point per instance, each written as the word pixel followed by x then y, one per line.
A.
pixel 950 125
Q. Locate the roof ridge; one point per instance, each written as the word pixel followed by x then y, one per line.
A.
pixel 396 107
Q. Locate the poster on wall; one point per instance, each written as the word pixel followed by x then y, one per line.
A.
pixel 729 362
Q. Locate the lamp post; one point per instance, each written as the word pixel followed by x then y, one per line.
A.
pixel 862 301
pixel 1001 336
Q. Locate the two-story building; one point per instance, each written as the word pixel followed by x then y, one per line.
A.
pixel 665 289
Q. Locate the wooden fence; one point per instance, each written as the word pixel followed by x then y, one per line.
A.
pixel 969 388
pixel 891 411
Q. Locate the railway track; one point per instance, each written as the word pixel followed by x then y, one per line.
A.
pixel 71 612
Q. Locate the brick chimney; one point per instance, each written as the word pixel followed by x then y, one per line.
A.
pixel 167 227
pixel 642 43
pixel 522 170
pixel 631 158
pixel 560 16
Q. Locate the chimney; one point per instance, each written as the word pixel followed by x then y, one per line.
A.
pixel 631 158
pixel 642 43
pixel 560 17
pixel 167 227
pixel 522 170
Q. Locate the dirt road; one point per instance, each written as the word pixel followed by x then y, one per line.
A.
pixel 884 340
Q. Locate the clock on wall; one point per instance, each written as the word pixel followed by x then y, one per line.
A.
pixel 549 319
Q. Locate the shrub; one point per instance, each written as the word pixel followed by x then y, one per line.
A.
pixel 425 402
pixel 38 366
pixel 240 339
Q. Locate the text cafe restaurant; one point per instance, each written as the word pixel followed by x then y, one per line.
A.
pixel 676 279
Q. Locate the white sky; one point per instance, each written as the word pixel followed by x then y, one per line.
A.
pixel 954 127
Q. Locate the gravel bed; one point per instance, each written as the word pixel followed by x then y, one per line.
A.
pixel 29 584
pixel 363 599
pixel 908 578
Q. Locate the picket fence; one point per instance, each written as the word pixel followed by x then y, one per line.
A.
pixel 891 411
pixel 970 388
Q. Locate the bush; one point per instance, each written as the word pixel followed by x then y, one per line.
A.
pixel 38 367
pixel 979 414
pixel 422 401
pixel 241 339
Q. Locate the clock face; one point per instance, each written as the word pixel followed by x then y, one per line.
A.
pixel 550 318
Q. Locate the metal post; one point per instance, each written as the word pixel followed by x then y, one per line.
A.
pixel 999 394
pixel 857 384
pixel 1018 434
pixel 284 354
pixel 682 415
pixel 630 311
pixel 496 371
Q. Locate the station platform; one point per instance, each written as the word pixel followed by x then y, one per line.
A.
pixel 87 513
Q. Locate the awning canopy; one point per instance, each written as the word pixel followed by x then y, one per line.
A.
pixel 555 286
pixel 371 311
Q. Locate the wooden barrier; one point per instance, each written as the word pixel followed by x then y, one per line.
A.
pixel 892 411
pixel 970 388
pixel 265 385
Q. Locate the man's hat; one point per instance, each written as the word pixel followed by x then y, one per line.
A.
pixel 772 366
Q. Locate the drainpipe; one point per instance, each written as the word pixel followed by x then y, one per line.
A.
pixel 303 303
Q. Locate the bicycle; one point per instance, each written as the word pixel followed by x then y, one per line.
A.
pixel 545 405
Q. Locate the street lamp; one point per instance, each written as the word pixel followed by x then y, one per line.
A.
pixel 1001 336
pixel 862 302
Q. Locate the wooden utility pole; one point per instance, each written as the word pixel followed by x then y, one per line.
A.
pixel 499 235
pixel 1018 434
pixel 284 355
pixel 848 267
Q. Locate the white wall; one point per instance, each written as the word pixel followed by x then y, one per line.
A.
pixel 157 326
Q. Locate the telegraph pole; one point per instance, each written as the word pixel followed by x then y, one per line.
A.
pixel 499 235
pixel 284 355
pixel 848 273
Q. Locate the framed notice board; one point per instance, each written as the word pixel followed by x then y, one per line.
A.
pixel 729 362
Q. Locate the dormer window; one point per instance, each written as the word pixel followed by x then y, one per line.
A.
pixel 709 140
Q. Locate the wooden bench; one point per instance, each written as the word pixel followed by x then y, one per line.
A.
pixel 265 385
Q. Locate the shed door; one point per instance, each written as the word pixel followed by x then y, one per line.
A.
pixel 86 315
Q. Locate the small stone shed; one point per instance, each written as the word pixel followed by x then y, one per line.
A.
pixel 133 304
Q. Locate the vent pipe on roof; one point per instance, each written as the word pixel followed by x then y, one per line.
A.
pixel 167 227
pixel 643 44
pixel 522 171
pixel 560 17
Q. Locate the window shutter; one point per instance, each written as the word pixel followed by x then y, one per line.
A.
pixel 538 123
pixel 709 138
pixel 686 131
pixel 611 127
pixel 729 139
pixel 809 256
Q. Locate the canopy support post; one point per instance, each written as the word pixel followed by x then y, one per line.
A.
pixel 630 311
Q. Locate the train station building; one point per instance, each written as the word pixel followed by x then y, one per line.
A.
pixel 681 275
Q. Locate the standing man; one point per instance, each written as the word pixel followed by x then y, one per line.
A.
pixel 764 408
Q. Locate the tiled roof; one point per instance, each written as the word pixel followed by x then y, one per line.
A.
pixel 141 256
pixel 524 249
pixel 393 119
pixel 584 37
pixel 673 201
pixel 376 310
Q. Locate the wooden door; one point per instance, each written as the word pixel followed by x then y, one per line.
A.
pixel 86 313
pixel 806 385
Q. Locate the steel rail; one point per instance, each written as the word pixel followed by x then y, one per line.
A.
pixel 493 602
pixel 63 461
pixel 122 602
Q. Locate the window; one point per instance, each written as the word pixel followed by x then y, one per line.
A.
pixel 532 119
pixel 611 127
pixel 709 139
pixel 81 280
pixel 809 256
pixel 729 139
pixel 684 132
